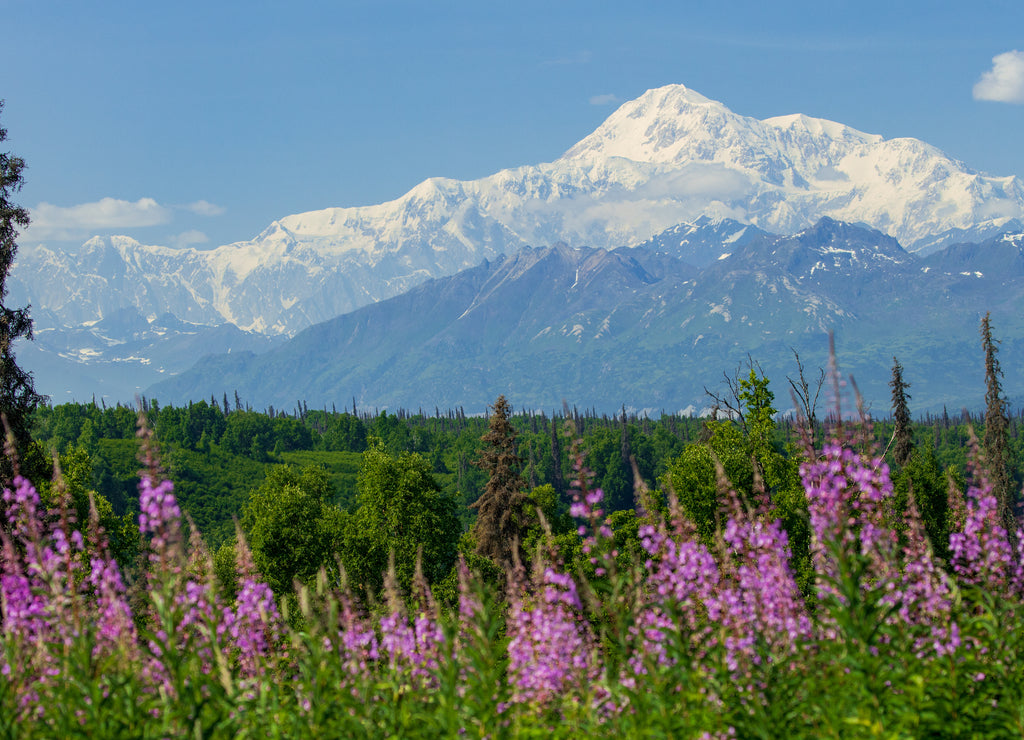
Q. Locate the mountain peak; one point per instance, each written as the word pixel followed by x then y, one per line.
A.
pixel 674 124
pixel 669 100
pixel 656 126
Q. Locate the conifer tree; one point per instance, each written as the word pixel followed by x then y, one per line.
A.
pixel 18 397
pixel 500 509
pixel 902 434
pixel 556 458
pixel 997 440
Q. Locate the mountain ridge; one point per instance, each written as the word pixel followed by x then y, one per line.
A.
pixel 602 328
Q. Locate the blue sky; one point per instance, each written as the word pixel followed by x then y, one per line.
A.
pixel 201 122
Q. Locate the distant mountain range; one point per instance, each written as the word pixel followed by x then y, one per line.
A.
pixel 672 171
pixel 603 328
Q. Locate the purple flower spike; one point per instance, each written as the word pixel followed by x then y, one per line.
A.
pixel 759 595
pixel 846 494
pixel 981 553
pixel 114 624
pixel 357 640
pixel 23 510
pixel 158 506
pixel 160 517
pixel 416 647
pixel 254 626
pixel 551 646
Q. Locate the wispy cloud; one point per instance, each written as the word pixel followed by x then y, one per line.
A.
pixel 204 208
pixel 74 222
pixel 189 238
pixel 68 223
pixel 606 99
pixel 1004 83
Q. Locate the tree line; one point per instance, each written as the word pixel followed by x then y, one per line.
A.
pixel 316 488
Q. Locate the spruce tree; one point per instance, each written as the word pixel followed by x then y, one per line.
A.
pixel 997 439
pixel 500 509
pixel 556 458
pixel 902 434
pixel 18 397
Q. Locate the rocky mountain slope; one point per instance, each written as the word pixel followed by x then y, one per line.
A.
pixel 632 326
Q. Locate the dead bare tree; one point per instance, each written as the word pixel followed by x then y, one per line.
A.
pixel 803 397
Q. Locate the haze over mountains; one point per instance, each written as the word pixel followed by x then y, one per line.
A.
pixel 670 172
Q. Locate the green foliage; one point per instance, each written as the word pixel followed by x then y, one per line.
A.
pixel 248 433
pixel 225 570
pixel 344 433
pixel 789 504
pixel 693 476
pixel 755 465
pixel 625 541
pixel 550 530
pixel 903 435
pixel 213 482
pixel 290 434
pixel 759 424
pixel 187 426
pixel 341 467
pixel 929 483
pixel 401 511
pixel 289 528
pixel 76 480
pixel 213 487
pixel 608 456
pixel 997 441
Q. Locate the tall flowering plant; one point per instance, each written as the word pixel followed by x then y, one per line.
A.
pixel 551 647
pixel 40 597
pixel 758 599
pixel 980 549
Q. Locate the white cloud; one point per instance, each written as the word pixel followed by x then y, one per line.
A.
pixel 188 238
pixel 74 222
pixel 203 208
pixel 605 99
pixel 1004 83
pixel 71 223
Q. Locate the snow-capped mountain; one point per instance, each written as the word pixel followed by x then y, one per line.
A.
pixel 670 157
pixel 703 241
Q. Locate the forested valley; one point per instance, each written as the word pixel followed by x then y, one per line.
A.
pixel 308 486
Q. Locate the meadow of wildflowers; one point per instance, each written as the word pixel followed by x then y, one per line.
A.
pixel 690 640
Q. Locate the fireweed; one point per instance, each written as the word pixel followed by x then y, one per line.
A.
pixel 693 641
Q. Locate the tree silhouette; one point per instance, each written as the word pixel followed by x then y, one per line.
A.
pixel 902 434
pixel 997 440
pixel 18 397
pixel 500 509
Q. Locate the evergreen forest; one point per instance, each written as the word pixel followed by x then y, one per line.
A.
pixel 223 457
